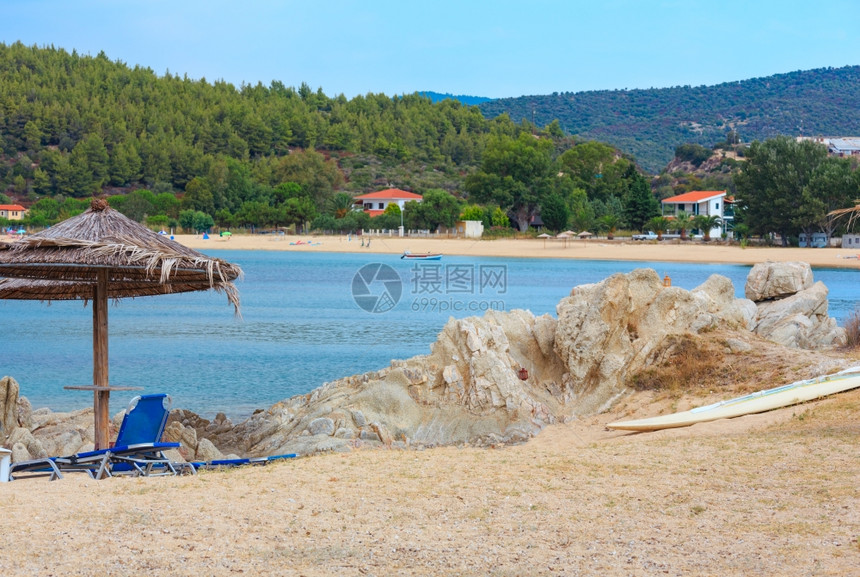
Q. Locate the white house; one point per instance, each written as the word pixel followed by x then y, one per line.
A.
pixel 375 203
pixel 851 240
pixel 709 202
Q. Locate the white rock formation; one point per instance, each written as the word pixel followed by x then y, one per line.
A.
pixel 791 310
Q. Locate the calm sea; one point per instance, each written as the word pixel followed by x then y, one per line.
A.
pixel 305 321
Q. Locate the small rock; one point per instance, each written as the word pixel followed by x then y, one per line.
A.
pixel 321 426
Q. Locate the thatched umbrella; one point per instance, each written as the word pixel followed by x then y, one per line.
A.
pixel 99 255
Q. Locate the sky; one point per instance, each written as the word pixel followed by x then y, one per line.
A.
pixel 496 49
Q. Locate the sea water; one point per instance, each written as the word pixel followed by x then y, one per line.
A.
pixel 306 318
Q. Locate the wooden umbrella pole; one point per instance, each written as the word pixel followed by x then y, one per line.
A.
pixel 101 398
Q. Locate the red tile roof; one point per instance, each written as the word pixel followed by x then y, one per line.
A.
pixel 11 207
pixel 694 196
pixel 389 194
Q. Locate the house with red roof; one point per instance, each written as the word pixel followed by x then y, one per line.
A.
pixel 696 202
pixel 12 211
pixel 375 203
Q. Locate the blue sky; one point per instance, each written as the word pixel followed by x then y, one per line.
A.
pixel 494 48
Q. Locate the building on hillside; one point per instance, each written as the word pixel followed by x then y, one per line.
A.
pixel 12 211
pixel 375 203
pixel 708 202
pixel 837 146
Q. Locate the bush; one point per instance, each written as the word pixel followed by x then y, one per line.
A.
pixel 696 154
pixel 852 329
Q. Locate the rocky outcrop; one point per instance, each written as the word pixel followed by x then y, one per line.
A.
pixel 15 410
pixel 612 329
pixel 791 309
pixel 488 380
pixel 467 390
pixel 777 280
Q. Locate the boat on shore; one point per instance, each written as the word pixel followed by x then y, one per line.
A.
pixel 421 256
pixel 758 402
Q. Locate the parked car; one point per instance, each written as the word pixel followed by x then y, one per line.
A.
pixel 649 235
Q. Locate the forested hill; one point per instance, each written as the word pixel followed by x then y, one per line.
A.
pixel 74 125
pixel 650 123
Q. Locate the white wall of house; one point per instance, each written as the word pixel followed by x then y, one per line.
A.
pixel 470 228
pixel 851 240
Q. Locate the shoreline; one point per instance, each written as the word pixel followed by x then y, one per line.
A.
pixel 714 252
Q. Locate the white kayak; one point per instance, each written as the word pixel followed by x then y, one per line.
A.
pixel 757 402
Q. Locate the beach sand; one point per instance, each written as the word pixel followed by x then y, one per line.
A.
pixel 596 249
pixel 769 494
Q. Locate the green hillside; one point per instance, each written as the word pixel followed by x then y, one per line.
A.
pixel 650 123
pixel 73 125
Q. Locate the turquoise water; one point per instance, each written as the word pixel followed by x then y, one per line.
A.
pixel 300 325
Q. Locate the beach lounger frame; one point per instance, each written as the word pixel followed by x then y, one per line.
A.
pixel 138 450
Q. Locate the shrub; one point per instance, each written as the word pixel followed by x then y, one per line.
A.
pixel 852 329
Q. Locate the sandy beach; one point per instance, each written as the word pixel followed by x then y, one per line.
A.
pixel 770 494
pixel 597 249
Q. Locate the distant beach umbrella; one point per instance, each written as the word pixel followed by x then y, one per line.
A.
pixel 544 236
pixel 584 234
pixel 100 255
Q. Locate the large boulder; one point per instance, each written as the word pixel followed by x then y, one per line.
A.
pixel 610 330
pixel 776 280
pixel 800 320
pixel 791 310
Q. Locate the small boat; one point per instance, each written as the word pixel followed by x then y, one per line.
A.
pixel 423 256
pixel 758 402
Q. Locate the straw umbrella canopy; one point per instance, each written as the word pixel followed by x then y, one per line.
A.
pixel 99 255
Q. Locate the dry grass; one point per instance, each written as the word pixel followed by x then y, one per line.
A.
pixel 686 362
pixel 852 329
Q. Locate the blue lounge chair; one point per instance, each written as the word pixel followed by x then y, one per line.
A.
pixel 138 449
pixel 224 463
